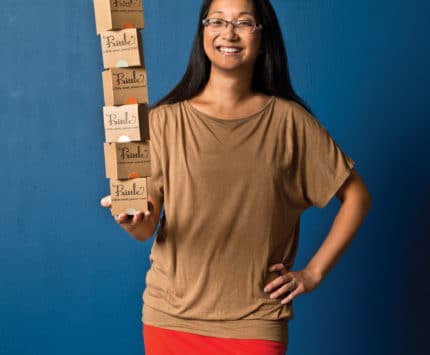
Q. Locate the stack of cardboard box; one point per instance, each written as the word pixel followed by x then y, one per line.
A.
pixel 127 153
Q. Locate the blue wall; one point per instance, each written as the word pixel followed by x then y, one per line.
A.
pixel 71 280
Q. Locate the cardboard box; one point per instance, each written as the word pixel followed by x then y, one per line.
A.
pixel 125 86
pixel 118 14
pixel 127 160
pixel 128 123
pixel 129 196
pixel 122 49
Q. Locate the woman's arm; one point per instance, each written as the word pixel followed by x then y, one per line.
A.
pixel 143 224
pixel 355 203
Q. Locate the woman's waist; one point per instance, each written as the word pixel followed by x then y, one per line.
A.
pixel 245 328
pixel 207 305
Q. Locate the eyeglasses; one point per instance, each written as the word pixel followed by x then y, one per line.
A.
pixel 242 27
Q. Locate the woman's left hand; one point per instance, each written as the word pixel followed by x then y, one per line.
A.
pixel 290 284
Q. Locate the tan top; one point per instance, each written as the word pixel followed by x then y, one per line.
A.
pixel 233 192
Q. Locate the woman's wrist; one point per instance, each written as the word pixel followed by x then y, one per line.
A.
pixel 316 272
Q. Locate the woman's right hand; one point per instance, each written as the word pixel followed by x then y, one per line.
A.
pixel 142 225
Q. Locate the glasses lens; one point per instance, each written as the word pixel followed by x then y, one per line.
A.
pixel 215 25
pixel 219 25
pixel 244 27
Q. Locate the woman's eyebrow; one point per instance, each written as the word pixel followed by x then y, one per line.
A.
pixel 240 14
pixel 246 13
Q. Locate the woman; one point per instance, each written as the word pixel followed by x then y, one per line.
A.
pixel 236 158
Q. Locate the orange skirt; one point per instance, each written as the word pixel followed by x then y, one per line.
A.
pixel 160 341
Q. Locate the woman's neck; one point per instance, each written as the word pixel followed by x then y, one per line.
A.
pixel 226 92
pixel 229 94
pixel 229 88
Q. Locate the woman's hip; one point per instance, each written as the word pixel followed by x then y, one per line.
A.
pixel 161 341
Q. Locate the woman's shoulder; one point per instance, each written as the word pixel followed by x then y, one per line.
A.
pixel 164 110
pixel 290 106
pixel 296 117
pixel 163 116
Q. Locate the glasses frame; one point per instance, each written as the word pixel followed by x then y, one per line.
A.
pixel 234 23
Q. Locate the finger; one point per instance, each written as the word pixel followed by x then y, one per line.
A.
pixel 283 290
pixel 137 218
pixel 280 280
pixel 106 201
pixel 124 218
pixel 286 287
pixel 277 267
pixel 292 295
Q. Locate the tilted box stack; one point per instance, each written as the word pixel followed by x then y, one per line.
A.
pixel 125 91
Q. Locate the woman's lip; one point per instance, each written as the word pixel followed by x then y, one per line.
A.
pixel 229 49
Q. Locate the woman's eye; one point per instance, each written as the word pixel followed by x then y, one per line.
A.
pixel 216 22
pixel 245 23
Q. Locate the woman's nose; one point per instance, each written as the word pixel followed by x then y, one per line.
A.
pixel 229 32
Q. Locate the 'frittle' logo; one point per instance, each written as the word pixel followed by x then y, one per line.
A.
pixel 127 3
pixel 140 153
pixel 112 41
pixel 121 190
pixel 114 120
pixel 124 78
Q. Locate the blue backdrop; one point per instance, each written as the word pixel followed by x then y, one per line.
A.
pixel 71 280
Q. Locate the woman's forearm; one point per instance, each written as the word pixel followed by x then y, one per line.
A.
pixel 356 202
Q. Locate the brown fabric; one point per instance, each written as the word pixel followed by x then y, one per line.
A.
pixel 233 192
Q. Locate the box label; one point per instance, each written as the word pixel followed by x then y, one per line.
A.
pixel 123 80
pixel 127 192
pixel 126 5
pixel 119 41
pixel 133 154
pixel 128 120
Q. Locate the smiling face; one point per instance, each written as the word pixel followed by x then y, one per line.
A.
pixel 227 49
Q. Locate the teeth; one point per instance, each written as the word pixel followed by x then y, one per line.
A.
pixel 229 50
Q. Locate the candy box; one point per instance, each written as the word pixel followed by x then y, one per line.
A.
pixel 127 123
pixel 118 14
pixel 125 86
pixel 127 160
pixel 122 49
pixel 129 196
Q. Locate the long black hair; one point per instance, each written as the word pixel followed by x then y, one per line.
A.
pixel 271 74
